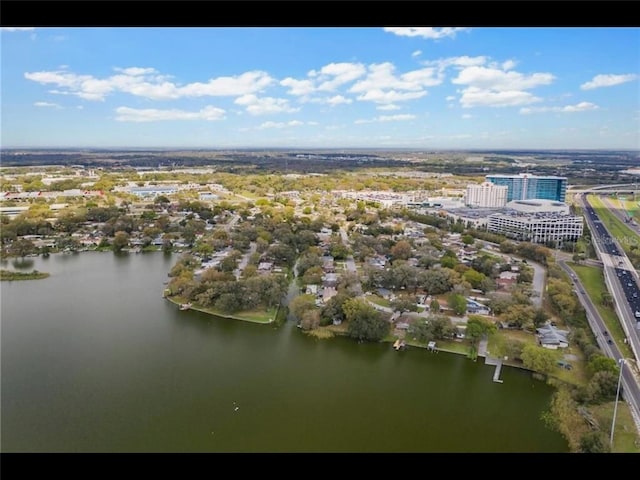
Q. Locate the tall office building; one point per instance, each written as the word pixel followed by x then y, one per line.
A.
pixel 524 186
pixel 486 195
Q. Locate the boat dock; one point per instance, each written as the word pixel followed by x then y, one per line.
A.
pixel 498 363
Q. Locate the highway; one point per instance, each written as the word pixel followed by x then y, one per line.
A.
pixel 620 276
pixel 622 282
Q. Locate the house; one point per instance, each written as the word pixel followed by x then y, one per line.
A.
pixel 478 308
pixel 265 266
pixel 312 289
pixel 552 337
pixel 330 280
pixel 328 293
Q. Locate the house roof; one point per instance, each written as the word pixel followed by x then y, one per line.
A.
pixel 550 335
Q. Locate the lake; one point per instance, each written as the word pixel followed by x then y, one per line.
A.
pixel 95 360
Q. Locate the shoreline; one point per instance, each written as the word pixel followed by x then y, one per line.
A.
pixel 221 315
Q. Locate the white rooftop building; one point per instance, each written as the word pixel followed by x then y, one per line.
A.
pixel 486 195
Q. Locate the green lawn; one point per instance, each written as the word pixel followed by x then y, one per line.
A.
pixel 625 434
pixel 378 300
pixel 11 275
pixel 593 280
pixel 255 316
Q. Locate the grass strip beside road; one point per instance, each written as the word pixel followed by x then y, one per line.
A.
pixel 626 438
pixel 592 279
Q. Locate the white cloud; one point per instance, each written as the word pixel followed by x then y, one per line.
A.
pixel 264 105
pixel 607 81
pixel 126 114
pixel 17 29
pixel 248 82
pixel 131 70
pixel 450 98
pixel 500 80
pixel 46 105
pixel 292 123
pixel 476 97
pixel 390 96
pixel 579 107
pixel 509 64
pixel 327 79
pixel 388 106
pixel 388 118
pixel 417 53
pixel 298 87
pixel 467 116
pixel 425 32
pixel 335 74
pixel 498 88
pixel 338 100
pixel 382 85
pixel 145 82
pixel 461 61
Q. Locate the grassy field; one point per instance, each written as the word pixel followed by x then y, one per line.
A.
pixel 255 316
pixel 616 228
pixel 10 275
pixel 593 280
pixel 383 302
pixel 625 434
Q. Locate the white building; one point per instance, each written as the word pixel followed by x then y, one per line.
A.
pixel 539 206
pixel 536 227
pixel 486 195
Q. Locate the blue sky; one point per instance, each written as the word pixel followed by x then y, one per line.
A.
pixel 423 88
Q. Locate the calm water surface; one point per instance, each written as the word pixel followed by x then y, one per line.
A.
pixel 94 360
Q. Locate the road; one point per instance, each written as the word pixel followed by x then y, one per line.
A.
pixel 245 259
pixel 620 276
pixel 350 263
pixel 630 375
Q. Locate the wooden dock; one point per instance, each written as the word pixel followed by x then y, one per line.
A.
pixel 498 363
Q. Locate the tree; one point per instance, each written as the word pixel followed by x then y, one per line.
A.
pixel 539 359
pixel 310 320
pixel 467 239
pixel 401 250
pixel 332 310
pixel 457 303
pixel 22 247
pixel 120 241
pixel 600 363
pixel 301 304
pixel 312 275
pixel 594 442
pixel 601 387
pixel 434 306
pixel 521 315
pixel 441 326
pixel 365 323
pixel 477 327
pixel 404 304
pixel 507 347
pixel 474 277
pixel 606 299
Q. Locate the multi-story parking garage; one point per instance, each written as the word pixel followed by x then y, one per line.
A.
pixel 536 227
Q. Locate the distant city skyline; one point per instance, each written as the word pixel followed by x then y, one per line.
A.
pixel 340 87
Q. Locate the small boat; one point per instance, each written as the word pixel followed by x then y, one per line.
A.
pixel 185 306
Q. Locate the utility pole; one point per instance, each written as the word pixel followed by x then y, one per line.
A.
pixel 615 408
